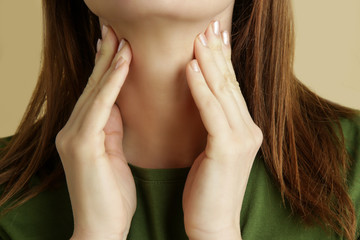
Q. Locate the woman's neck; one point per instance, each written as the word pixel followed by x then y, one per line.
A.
pixel 162 125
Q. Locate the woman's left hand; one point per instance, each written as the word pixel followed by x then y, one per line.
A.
pixel 215 186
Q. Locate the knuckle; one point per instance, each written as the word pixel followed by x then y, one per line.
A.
pixel 79 146
pixel 91 81
pixel 65 144
pixel 221 87
pixel 104 51
pixel 228 76
pixel 99 102
pixel 91 84
pixel 230 79
pixel 216 46
pixel 209 103
pixel 236 85
pixel 59 140
pixel 124 53
pixel 258 136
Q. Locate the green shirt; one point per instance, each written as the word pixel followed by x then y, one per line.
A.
pixel 159 213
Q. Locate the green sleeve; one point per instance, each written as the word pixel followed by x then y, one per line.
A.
pixel 3 234
pixel 46 216
pixel 351 131
pixel 4 141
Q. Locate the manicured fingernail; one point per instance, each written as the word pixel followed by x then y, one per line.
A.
pixel 119 62
pixel 203 39
pixel 216 27
pixel 98 45
pixel 195 66
pixel 104 31
pixel 121 44
pixel 225 37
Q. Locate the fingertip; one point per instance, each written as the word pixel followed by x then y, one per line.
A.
pixel 203 39
pixel 109 42
pixel 98 45
pixel 225 38
pixel 124 50
pixel 104 31
pixel 195 66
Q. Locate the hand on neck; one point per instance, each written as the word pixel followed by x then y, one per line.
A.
pixel 162 125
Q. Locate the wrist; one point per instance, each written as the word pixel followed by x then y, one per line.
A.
pixel 93 236
pixel 82 233
pixel 230 234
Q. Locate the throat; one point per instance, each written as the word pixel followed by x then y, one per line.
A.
pixel 165 147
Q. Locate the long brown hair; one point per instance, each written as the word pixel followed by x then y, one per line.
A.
pixel 291 116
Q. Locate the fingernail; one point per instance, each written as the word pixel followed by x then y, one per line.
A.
pixel 203 39
pixel 195 66
pixel 98 45
pixel 216 27
pixel 225 37
pixel 121 44
pixel 104 31
pixel 119 62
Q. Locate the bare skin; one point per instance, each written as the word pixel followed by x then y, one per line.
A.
pixel 100 183
pixel 205 124
pixel 162 126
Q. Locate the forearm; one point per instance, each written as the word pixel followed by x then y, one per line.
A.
pixel 233 234
pixel 94 236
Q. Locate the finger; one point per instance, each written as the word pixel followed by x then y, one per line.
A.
pixel 98 48
pixel 210 110
pixel 105 55
pixel 107 49
pixel 226 49
pixel 218 82
pixel 95 119
pixel 215 43
pixel 222 55
pixel 114 132
pixel 124 52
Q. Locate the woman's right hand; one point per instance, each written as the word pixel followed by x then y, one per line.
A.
pixel 100 183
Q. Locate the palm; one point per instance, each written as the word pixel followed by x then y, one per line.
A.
pixel 120 170
pixel 206 194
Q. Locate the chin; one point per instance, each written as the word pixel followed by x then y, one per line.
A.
pixel 138 10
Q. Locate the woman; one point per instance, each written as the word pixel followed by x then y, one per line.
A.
pixel 159 137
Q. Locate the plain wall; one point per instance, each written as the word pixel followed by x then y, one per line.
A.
pixel 327 54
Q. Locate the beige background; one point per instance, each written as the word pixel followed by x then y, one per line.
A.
pixel 327 52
